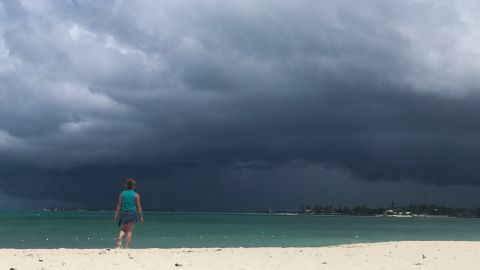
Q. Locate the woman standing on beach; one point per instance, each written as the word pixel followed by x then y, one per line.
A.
pixel 131 208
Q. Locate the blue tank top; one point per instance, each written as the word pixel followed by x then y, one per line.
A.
pixel 129 203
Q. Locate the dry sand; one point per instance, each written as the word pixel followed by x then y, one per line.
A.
pixel 391 255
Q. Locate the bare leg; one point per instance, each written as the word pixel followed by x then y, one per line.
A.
pixel 130 228
pixel 121 234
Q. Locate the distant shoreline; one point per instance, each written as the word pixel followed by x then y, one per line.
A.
pixel 413 210
pixel 259 213
pixel 245 213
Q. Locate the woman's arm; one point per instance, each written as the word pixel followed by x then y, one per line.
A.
pixel 139 207
pixel 119 205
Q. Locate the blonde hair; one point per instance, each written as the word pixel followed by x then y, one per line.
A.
pixel 130 183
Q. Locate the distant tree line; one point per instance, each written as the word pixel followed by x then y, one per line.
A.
pixel 414 209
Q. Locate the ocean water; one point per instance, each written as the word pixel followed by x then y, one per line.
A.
pixel 77 229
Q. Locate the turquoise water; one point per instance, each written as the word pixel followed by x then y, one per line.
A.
pixel 169 230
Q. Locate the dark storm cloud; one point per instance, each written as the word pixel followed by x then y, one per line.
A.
pixel 207 101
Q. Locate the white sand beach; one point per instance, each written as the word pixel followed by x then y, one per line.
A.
pixel 389 255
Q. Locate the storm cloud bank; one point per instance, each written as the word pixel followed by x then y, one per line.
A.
pixel 200 98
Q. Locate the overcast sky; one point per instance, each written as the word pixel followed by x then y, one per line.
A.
pixel 239 105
